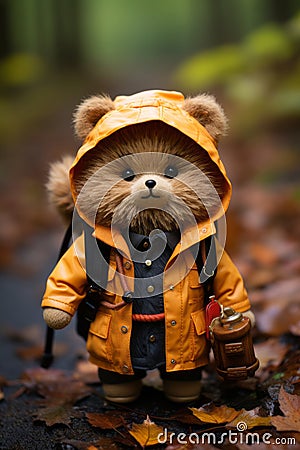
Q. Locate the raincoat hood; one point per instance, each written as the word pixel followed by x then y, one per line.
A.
pixel 152 105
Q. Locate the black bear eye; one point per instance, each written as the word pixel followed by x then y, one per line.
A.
pixel 171 172
pixel 128 174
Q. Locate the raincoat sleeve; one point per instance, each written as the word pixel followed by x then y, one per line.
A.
pixel 66 285
pixel 229 286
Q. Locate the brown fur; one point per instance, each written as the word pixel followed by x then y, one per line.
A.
pixel 209 113
pixel 59 189
pixel 89 112
pixel 120 201
pixel 155 137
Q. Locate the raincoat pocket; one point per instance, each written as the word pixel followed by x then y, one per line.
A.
pixel 198 339
pixel 195 287
pixel 98 342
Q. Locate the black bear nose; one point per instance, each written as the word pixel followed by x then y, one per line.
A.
pixel 150 184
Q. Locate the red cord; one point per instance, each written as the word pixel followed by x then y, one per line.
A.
pixel 148 317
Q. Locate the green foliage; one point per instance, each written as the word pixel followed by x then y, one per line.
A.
pixel 20 70
pixel 212 67
pixel 260 76
pixel 267 45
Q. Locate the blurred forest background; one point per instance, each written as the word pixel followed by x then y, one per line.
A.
pixel 55 52
pixel 246 52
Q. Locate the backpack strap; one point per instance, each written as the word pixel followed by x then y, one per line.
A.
pixel 97 255
pixel 206 262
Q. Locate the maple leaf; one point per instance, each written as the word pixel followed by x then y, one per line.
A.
pixel 57 414
pixel 290 406
pixel 146 433
pixel 107 421
pixel 249 419
pixel 64 391
pixel 59 391
pixel 55 385
pixel 210 413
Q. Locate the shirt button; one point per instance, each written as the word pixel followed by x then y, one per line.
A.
pixel 171 287
pixel 127 265
pixel 150 289
pixel 152 338
pixel 145 244
pixel 124 329
pixel 173 361
pixel 148 262
pixel 125 368
pixel 173 323
pixel 204 230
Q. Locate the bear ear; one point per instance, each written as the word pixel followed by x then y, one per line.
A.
pixel 209 113
pixel 89 112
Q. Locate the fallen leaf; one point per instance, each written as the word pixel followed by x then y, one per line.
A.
pixel 270 354
pixel 55 385
pixel 60 392
pixel 65 391
pixel 104 443
pixel 57 414
pixel 277 307
pixel 290 406
pixel 287 372
pixel 108 421
pixel 249 419
pixel 185 416
pixel 215 414
pixel 31 378
pixel 146 433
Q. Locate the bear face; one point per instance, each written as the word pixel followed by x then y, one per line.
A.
pixel 148 176
pixel 148 161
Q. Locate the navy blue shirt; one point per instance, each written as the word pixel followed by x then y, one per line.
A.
pixel 150 257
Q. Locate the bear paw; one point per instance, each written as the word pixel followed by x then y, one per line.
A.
pixel 56 318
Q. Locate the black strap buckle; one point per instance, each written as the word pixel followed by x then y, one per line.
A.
pixel 91 304
pixel 90 311
pixel 128 297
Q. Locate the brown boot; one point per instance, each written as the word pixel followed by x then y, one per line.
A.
pixel 122 392
pixel 182 391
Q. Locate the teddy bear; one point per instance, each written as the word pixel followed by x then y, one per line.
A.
pixel 149 183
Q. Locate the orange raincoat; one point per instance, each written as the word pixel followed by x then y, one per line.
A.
pixel 109 337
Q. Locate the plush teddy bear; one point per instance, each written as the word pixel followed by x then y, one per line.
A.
pixel 149 183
